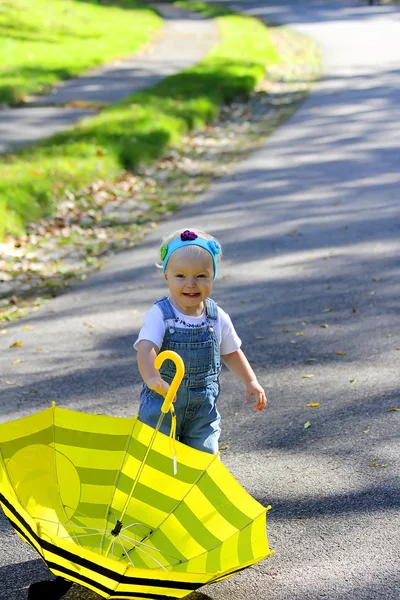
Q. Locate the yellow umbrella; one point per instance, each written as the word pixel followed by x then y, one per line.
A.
pixel 121 508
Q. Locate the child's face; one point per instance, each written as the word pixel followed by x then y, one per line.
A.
pixel 189 279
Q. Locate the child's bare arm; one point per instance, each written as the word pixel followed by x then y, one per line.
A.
pixel 147 352
pixel 240 366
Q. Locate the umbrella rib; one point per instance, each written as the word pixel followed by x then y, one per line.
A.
pixel 149 556
pixel 80 535
pixel 150 547
pixel 120 472
pixel 55 468
pixel 125 552
pixel 100 542
pixel 70 524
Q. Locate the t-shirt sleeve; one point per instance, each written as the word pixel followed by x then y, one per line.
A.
pixel 153 328
pixel 230 341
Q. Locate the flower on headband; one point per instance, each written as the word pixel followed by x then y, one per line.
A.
pixel 214 247
pixel 188 236
pixel 163 251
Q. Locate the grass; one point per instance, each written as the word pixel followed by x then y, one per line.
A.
pixel 42 41
pixel 134 131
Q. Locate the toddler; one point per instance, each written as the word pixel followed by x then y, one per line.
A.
pixel 191 324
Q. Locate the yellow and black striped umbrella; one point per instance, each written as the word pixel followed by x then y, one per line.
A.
pixel 103 503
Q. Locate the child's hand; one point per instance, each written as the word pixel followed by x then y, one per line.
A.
pixel 253 388
pixel 158 385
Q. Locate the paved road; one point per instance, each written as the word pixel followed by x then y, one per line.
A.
pixel 311 235
pixel 184 40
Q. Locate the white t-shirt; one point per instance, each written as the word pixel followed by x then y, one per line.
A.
pixel 154 328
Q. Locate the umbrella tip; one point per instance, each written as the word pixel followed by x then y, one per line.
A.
pixel 53 404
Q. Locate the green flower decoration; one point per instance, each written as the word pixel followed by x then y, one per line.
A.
pixel 163 251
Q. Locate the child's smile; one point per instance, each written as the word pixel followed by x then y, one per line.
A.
pixel 189 279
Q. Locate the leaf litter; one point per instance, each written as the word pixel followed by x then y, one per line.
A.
pixel 110 216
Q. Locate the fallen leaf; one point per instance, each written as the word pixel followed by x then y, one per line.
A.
pixel 16 344
pixel 307 425
pixel 376 279
pixel 324 326
pixel 299 333
pixel 371 293
pixel 393 409
pixel 10 382
pixel 367 430
pixel 310 360
pixel 353 380
pixel 4 331
pixel 225 447
pixel 260 337
pixel 27 327
pixel 285 330
pixel 89 325
pixel 39 349
pixel 341 353
pixel 398 348
pixel 356 309
pixel 327 287
pixel 313 404
pixel 307 376
pixel 329 309
pixel 17 361
pixel 384 465
pixel 373 464
pixel 388 335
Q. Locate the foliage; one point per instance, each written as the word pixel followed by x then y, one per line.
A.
pixel 134 131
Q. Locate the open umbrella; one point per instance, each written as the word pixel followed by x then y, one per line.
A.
pixel 121 508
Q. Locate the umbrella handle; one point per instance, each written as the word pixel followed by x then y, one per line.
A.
pixel 176 382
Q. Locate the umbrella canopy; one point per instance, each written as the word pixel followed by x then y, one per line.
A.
pixel 99 498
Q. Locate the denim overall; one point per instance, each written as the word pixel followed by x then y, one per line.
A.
pixel 197 417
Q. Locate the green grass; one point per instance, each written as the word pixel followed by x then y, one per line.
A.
pixel 137 130
pixel 45 41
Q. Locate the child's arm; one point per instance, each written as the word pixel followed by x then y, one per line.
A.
pixel 146 355
pixel 240 366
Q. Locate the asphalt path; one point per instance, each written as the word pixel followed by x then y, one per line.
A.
pixel 311 236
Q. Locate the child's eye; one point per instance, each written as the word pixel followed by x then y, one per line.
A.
pixel 201 275
pixel 180 275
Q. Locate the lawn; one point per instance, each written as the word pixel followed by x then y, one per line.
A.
pixel 134 131
pixel 45 41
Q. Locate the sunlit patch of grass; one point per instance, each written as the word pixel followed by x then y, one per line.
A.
pixel 137 130
pixel 42 41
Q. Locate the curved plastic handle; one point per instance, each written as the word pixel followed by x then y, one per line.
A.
pixel 176 382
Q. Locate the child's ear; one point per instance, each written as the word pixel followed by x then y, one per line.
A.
pixel 166 277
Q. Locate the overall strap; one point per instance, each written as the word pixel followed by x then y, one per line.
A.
pixel 211 309
pixel 165 306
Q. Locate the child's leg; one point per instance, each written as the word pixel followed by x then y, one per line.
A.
pixel 200 428
pixel 150 410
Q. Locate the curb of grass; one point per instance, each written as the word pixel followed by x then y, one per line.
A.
pixel 137 130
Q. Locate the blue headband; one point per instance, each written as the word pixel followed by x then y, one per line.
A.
pixel 189 238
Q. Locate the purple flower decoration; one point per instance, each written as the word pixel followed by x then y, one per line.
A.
pixel 188 236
